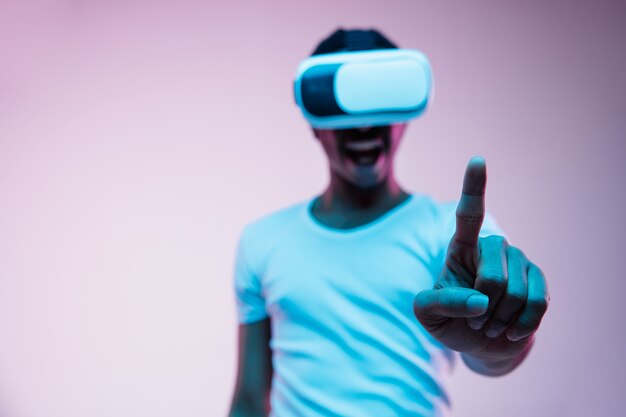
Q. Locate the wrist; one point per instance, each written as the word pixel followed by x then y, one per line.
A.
pixel 494 364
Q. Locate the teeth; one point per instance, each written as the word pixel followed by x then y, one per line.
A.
pixel 365 145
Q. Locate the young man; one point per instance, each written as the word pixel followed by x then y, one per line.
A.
pixel 328 291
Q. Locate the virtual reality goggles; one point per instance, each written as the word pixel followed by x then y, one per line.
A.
pixel 364 88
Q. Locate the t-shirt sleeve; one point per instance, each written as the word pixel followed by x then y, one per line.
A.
pixel 249 298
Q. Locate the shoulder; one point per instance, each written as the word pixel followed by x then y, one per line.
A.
pixel 429 218
pixel 275 223
pixel 261 236
pixel 426 208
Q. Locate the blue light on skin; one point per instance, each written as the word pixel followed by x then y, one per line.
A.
pixel 362 183
pixel 514 292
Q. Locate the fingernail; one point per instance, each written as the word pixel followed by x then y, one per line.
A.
pixel 513 336
pixel 475 323
pixel 477 304
pixel 493 332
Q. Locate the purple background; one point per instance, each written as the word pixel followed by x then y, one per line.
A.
pixel 137 137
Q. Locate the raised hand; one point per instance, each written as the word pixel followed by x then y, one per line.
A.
pixel 489 299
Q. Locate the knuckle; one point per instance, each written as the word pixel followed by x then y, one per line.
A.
pixel 455 255
pixel 526 323
pixel 516 252
pixel 495 240
pixel 501 240
pixel 493 245
pixel 471 217
pixel 537 306
pixel 492 277
pixel 515 299
pixel 537 271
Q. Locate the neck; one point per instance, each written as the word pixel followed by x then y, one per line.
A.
pixel 342 193
pixel 344 199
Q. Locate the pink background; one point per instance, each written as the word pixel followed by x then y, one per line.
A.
pixel 137 137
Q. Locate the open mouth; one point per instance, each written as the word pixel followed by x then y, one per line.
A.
pixel 364 152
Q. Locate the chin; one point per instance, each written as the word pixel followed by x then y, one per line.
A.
pixel 365 180
pixel 363 185
pixel 367 176
pixel 371 176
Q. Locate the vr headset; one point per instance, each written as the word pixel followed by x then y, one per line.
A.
pixel 363 88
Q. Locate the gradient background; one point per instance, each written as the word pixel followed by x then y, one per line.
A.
pixel 137 137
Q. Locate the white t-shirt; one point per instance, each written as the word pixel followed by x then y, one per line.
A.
pixel 345 342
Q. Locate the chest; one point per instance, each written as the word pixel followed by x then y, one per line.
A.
pixel 320 277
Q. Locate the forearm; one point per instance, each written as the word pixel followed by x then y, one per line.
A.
pixel 254 373
pixel 247 406
pixel 496 366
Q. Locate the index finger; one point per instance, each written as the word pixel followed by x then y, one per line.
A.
pixel 471 209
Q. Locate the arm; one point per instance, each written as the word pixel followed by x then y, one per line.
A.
pixel 254 373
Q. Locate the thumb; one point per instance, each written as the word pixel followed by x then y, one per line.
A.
pixel 449 302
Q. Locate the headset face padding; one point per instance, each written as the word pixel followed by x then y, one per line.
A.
pixel 365 88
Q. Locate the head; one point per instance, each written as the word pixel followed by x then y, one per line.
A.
pixel 361 156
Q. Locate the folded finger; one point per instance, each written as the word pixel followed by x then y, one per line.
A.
pixel 514 298
pixel 536 305
pixel 491 275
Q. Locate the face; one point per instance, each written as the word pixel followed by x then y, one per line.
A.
pixel 361 156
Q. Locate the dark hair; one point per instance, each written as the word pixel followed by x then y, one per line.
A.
pixel 353 40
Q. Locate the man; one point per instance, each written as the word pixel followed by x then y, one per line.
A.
pixel 328 291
